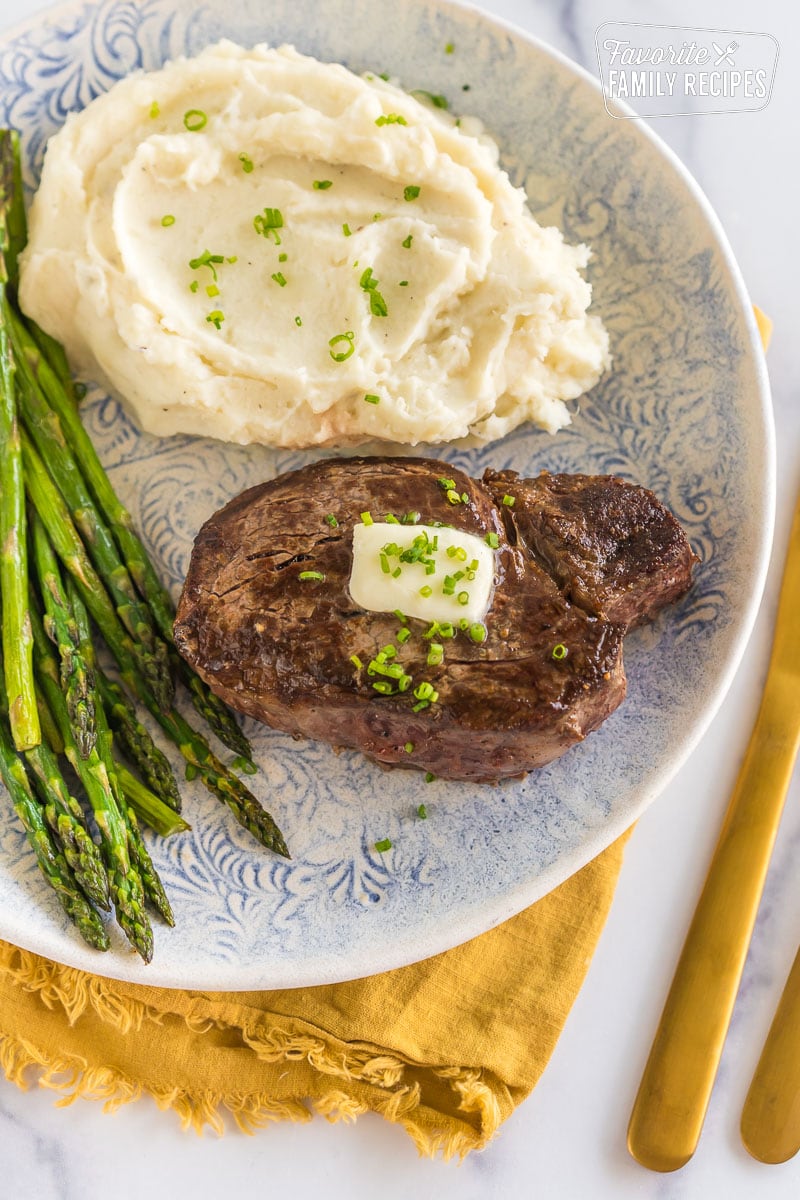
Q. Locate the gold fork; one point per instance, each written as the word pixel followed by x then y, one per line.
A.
pixel 673 1095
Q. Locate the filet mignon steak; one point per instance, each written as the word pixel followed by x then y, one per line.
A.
pixel 579 560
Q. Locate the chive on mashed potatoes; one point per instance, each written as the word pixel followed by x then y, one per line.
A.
pixel 260 247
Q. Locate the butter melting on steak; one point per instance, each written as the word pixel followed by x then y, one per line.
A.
pixel 580 559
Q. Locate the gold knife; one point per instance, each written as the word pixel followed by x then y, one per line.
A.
pixel 674 1092
pixel 771 1113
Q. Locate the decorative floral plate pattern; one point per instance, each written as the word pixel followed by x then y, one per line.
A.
pixel 684 411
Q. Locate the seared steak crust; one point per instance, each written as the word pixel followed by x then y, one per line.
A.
pixel 580 559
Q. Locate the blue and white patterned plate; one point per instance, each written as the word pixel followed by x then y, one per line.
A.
pixel 685 411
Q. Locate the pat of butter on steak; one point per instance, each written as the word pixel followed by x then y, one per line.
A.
pixel 267 620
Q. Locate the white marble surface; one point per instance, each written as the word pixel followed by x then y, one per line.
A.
pixel 567 1142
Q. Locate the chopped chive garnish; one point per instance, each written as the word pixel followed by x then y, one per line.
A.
pixel 167 220
pixel 407 241
pixel 195 120
pixel 322 185
pixel 282 257
pixel 463 598
pixel 437 100
pixel 411 191
pixel 194 285
pixel 396 573
pixel 371 398
pixel 435 654
pixel 426 591
pixel 422 812
pixel 331 519
pixel 212 290
pixel 385 565
pixel 400 616
pixel 383 845
pixel 155 110
pixel 429 777
pixel 449 48
pixel 453 496
pixel 268 223
pixel 316 575
pixel 409 747
pixel 247 163
pixel 298 321
pixel 403 283
pixel 508 501
pixel 560 651
pixel 391 519
pixel 403 635
pixel 383 687
pixel 418 707
pixel 341 355
pixel 391 119
pixel 207 259
pixel 279 278
pixel 216 318
pixel 377 304
pixel 232 258
pixel 424 691
pixel 356 661
pixel 492 540
pixel 404 683
pixel 366 517
pixel 477 632
pixel 411 518
pixel 448 484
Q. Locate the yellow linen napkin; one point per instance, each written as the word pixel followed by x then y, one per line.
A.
pixel 447 1047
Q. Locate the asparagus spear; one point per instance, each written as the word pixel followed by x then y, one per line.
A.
pixel 64 815
pixel 124 880
pixel 50 735
pixel 139 855
pixel 50 506
pixel 12 203
pixel 137 742
pixel 16 634
pixel 216 777
pixel 44 427
pixel 51 861
pixel 149 807
pixel 216 714
pixel 77 678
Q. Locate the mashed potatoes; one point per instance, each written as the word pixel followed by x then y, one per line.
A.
pixel 259 247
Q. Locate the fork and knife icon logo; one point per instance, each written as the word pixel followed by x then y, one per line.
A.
pixel 725 55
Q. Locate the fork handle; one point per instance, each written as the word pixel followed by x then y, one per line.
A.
pixel 673 1095
pixel 771 1114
